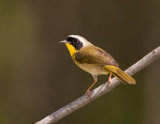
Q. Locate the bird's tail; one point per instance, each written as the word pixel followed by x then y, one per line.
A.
pixel 121 75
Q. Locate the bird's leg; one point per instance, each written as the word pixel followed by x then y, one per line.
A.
pixel 88 90
pixel 109 79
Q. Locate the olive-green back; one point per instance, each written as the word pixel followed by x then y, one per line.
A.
pixel 94 55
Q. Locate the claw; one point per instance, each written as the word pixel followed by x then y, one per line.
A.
pixel 88 93
pixel 109 80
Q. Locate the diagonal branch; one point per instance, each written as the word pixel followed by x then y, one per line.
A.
pixel 99 91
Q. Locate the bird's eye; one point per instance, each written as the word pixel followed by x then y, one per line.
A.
pixel 75 40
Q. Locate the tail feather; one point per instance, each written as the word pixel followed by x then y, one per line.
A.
pixel 121 75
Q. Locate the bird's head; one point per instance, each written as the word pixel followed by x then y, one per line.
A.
pixel 75 43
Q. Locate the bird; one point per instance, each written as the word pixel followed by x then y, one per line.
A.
pixel 94 60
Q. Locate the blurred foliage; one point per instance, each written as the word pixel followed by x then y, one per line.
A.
pixel 38 76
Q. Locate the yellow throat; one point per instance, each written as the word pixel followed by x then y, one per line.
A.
pixel 71 48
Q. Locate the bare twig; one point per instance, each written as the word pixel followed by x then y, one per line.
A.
pixel 97 92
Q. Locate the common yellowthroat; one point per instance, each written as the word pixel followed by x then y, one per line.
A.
pixel 94 60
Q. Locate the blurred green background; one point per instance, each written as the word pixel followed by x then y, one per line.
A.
pixel 37 75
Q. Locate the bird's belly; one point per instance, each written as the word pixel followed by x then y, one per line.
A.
pixel 93 69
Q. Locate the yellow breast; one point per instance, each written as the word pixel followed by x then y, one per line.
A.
pixel 90 68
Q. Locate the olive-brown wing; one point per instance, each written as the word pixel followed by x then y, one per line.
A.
pixel 94 55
